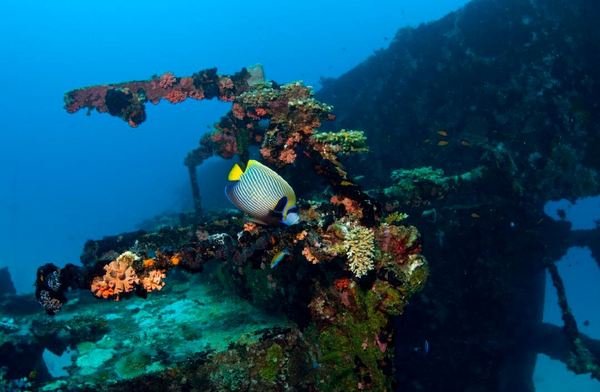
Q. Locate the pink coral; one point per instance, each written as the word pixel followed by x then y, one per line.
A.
pixel 287 156
pixel 167 80
pixel 175 96
pixel 351 206
pixel 238 111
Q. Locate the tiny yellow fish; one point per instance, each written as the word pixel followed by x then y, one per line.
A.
pixel 442 133
pixel 475 215
pixel 442 143
pixel 465 143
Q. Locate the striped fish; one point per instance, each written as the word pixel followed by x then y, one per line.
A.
pixel 262 194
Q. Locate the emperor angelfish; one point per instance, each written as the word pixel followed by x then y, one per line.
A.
pixel 262 194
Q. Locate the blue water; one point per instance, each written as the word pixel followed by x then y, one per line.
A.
pixel 67 178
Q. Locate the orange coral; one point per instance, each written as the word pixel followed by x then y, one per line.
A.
pixel 101 288
pixel 350 205
pixel 307 253
pixel 261 112
pixel 148 263
pixel 342 284
pixel 120 277
pixel 175 259
pixel 300 236
pixel 154 280
pixel 250 227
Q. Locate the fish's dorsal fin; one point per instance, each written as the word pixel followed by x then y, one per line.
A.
pixel 252 162
pixel 235 173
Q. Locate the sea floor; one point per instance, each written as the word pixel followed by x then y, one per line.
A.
pixel 189 317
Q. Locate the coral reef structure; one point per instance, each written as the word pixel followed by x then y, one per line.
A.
pixel 334 276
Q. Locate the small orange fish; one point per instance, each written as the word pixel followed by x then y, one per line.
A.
pixel 443 143
pixel 442 133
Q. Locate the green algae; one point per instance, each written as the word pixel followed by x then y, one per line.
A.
pixel 345 142
pixel 350 355
pixel 273 361
pixel 133 364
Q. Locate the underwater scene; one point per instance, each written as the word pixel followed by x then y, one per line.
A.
pixel 401 195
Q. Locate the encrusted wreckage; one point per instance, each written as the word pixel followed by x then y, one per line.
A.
pixel 481 118
pixel 347 269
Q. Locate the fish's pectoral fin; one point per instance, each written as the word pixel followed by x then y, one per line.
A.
pixel 280 206
pixel 235 173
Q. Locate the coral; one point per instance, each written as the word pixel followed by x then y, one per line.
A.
pixel 127 100
pixel 342 284
pixel 251 227
pixel 408 182
pixel 308 254
pixel 147 263
pixel 351 206
pixel 359 245
pixel 287 156
pixel 175 259
pixel 395 218
pixel 50 304
pixel 154 280
pixel 167 80
pixel 120 277
pixel 175 96
pixel 337 238
pixel 344 142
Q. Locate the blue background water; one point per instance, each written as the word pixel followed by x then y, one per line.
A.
pixel 67 178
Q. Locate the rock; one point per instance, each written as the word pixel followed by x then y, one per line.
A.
pixel 6 284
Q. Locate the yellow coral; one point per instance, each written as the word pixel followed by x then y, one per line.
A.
pixel 359 244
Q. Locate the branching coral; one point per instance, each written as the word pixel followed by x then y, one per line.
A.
pixel 359 245
pixel 120 277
